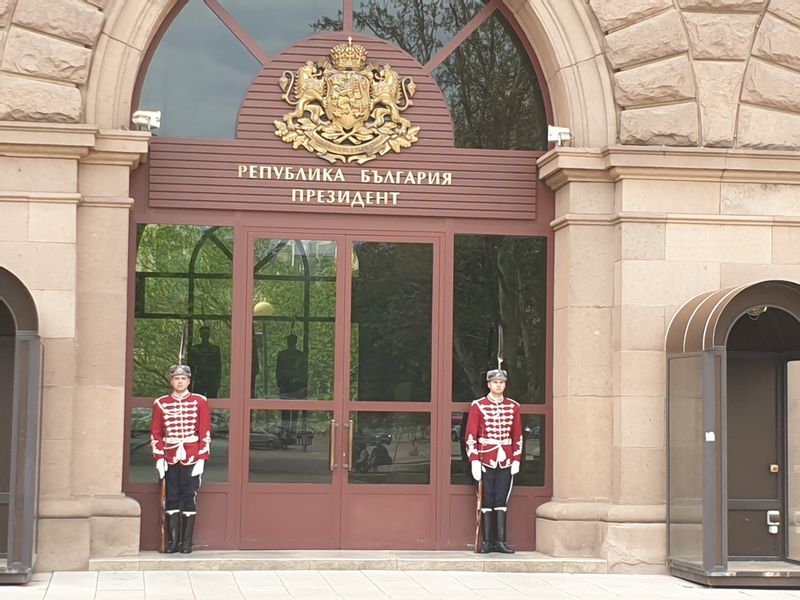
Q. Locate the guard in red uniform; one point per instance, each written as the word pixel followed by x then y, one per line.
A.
pixel 494 449
pixel 180 436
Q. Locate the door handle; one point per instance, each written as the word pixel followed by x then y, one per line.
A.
pixel 349 465
pixel 333 445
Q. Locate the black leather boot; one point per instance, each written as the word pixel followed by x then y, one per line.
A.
pixel 500 544
pixel 173 532
pixel 486 540
pixel 188 531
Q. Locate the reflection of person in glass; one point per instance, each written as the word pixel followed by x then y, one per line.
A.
pixel 379 456
pixel 291 370
pixel 180 437
pixel 362 463
pixel 206 364
pixel 494 449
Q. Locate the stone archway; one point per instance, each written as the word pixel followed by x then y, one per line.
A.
pixel 693 74
pixel 561 33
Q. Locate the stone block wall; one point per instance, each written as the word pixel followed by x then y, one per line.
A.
pixel 64 194
pixel 714 73
pixel 45 54
pixel 638 232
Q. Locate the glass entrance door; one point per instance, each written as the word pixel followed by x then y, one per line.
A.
pixel 388 492
pixel 338 416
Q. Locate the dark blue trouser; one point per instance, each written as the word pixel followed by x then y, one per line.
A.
pixel 181 489
pixel 496 488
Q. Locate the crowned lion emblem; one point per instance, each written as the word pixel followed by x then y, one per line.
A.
pixel 347 110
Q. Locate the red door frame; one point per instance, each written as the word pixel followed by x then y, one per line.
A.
pixel 400 515
pixel 454 503
pixel 340 507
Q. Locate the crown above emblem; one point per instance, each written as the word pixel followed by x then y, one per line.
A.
pixel 349 55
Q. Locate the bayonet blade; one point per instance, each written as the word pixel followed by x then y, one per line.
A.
pixel 182 346
pixel 499 346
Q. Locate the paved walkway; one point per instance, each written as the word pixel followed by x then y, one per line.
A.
pixel 367 585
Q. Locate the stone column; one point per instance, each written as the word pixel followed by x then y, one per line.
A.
pixel 101 316
pixel 586 256
pixel 614 288
pixel 76 230
pixel 38 203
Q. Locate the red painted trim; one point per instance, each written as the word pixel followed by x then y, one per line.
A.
pixel 347 16
pixel 462 35
pixel 237 30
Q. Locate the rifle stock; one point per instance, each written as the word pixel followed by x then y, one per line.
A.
pixel 478 519
pixel 162 541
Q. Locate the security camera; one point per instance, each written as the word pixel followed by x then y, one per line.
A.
pixel 559 135
pixel 146 120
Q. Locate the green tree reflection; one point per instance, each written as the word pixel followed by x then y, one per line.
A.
pixel 500 280
pixel 491 88
pixel 488 81
pixel 183 279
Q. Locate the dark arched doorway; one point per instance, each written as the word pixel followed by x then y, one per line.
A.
pixel 734 436
pixel 20 400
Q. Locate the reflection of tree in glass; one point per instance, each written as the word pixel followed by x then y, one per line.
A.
pixel 298 278
pixel 500 279
pixel 488 81
pixel 183 276
pixel 491 87
pixel 392 296
pixel 420 27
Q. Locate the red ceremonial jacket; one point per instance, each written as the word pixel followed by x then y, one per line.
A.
pixel 494 432
pixel 181 429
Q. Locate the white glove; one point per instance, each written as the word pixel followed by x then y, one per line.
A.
pixel 161 467
pixel 198 468
pixel 515 467
pixel 476 470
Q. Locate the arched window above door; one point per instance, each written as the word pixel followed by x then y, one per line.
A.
pixel 211 50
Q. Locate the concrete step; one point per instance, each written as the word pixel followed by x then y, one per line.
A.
pixel 349 560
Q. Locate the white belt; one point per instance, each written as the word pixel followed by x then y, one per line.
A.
pixel 496 444
pixel 180 453
pixel 183 440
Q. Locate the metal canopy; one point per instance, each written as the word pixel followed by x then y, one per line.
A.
pixel 724 348
pixel 703 323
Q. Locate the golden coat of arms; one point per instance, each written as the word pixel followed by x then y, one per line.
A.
pixel 346 110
